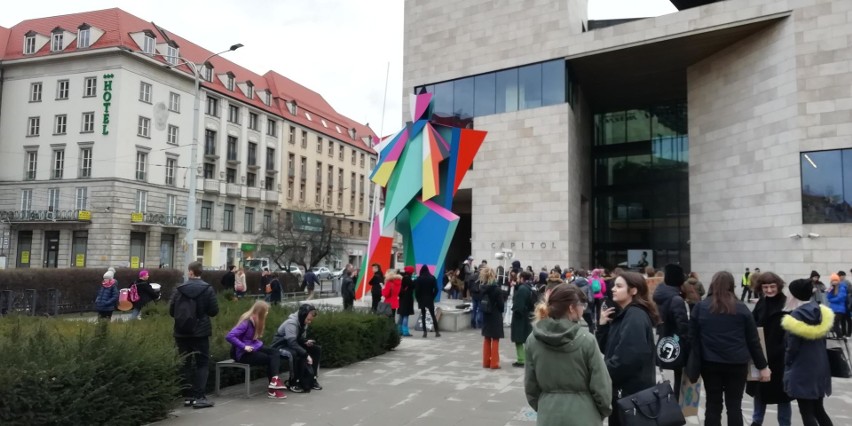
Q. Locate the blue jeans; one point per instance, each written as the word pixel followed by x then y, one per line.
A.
pixel 785 413
pixel 402 321
pixel 134 314
pixel 475 314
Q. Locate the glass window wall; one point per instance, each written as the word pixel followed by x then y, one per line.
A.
pixel 827 186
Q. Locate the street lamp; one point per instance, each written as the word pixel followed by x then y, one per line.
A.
pixel 193 181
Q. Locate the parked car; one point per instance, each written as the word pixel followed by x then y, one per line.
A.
pixel 322 272
pixel 258 264
pixel 337 274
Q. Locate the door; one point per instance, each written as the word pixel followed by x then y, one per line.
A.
pixel 51 249
pixel 137 250
pixel 167 251
pixel 25 245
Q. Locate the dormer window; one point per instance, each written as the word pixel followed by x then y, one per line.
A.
pixel 84 37
pixel 30 43
pixel 230 81
pixel 172 53
pixel 56 42
pixel 148 43
pixel 268 98
pixel 250 90
pixel 352 133
pixel 207 72
pixel 291 106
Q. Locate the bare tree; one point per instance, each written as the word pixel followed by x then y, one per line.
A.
pixel 305 240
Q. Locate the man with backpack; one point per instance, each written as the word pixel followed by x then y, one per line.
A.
pixel 192 305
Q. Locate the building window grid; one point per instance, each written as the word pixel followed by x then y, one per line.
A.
pixel 62 88
pixel 171 205
pixel 252 154
pixel 353 156
pixel 267 219
pixel 209 142
pixel 302 191
pixel 141 166
pixel 58 164
pixel 26 200
pixel 81 199
pixel 252 122
pixel 174 102
pixel 86 162
pixel 60 124
pixel 232 148
pixel 56 42
pixel 171 168
pixel 35 91
pixel 230 175
pixel 233 114
pixel 318 195
pixel 248 223
pixel 206 215
pixel 145 92
pixel 330 148
pixel 148 44
pixel 33 126
pixel 209 170
pixel 270 159
pixel 228 218
pixel 362 160
pixel 53 199
pixel 251 180
pixel 141 201
pixel 292 137
pixel 84 38
pixel 29 45
pixel 172 135
pixel 212 106
pixel 319 145
pixel 90 87
pixel 304 139
pixel 290 185
pixel 271 128
pixel 172 55
pixel 88 122
pixel 143 128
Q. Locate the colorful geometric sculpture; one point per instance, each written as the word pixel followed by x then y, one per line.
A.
pixel 420 169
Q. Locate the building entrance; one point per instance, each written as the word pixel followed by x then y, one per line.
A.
pixel 51 249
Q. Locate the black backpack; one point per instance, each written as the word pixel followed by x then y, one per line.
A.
pixel 186 314
pixel 485 304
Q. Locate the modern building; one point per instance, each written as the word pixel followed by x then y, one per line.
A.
pixel 96 113
pixel 717 137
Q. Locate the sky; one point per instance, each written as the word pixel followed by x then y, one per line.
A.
pixel 341 49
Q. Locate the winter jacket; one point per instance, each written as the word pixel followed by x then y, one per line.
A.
pixel 523 306
pixel 583 284
pixel 819 293
pixel 391 292
pixel 426 289
pixel 837 302
pixel 806 371
pixel 228 281
pixel 347 287
pixel 310 280
pixel 768 313
pixel 492 323
pixel 107 297
pixel 628 346
pixel 205 303
pixel 727 338
pixel 406 296
pixel 146 293
pixel 292 334
pixel 376 285
pixel 566 377
pixel 275 295
pixel 241 336
pixel 673 315
pixel 597 295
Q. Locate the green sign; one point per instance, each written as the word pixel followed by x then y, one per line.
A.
pixel 107 98
pixel 308 222
pixel 248 247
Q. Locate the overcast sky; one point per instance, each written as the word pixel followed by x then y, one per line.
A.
pixel 339 48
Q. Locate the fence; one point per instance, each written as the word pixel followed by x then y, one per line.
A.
pixel 28 302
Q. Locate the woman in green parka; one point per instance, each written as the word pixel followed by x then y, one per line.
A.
pixel 523 305
pixel 566 380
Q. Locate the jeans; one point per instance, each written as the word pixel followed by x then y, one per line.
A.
pixel 402 322
pixel 266 357
pixel 813 412
pixel 194 377
pixel 134 314
pixel 726 380
pixel 785 413
pixel 475 314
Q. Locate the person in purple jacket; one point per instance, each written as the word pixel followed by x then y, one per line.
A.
pixel 249 349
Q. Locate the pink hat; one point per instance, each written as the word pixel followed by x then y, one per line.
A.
pixel 143 273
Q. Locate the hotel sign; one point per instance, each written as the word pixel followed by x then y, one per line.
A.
pixel 107 98
pixel 45 215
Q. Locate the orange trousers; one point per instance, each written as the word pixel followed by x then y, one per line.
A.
pixel 490 353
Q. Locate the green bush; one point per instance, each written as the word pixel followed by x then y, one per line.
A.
pixel 79 372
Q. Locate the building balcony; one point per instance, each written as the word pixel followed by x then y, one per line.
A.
pixel 272 197
pixel 232 190
pixel 253 193
pixel 211 185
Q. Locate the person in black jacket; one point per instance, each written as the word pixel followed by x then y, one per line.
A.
pixel 768 313
pixel 194 347
pixel 229 278
pixel 347 288
pixel 626 338
pixel 376 286
pixel 492 319
pixel 675 321
pixel 406 301
pixel 146 294
pixel 426 290
pixel 727 337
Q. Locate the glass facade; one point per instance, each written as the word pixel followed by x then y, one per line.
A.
pixel 641 186
pixel 827 186
pixel 457 102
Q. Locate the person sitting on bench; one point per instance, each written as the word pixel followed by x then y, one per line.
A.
pixel 292 335
pixel 247 347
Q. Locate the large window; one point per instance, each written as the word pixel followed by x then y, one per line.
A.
pixel 206 214
pixel 827 186
pixel 248 222
pixel 228 218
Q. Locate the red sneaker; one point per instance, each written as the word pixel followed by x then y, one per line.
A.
pixel 275 394
pixel 277 384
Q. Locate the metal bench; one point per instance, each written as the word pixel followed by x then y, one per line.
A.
pixel 230 363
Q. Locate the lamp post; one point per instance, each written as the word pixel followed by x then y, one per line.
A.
pixel 192 200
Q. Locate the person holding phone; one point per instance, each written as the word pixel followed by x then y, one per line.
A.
pixel 292 336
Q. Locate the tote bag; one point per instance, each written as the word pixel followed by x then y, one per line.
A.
pixel 655 406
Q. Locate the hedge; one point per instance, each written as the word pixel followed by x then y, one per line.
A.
pixel 79 372
pixel 79 286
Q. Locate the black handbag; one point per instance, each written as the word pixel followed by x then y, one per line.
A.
pixel 838 363
pixel 384 309
pixel 655 406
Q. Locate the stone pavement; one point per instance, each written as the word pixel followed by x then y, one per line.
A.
pixel 423 382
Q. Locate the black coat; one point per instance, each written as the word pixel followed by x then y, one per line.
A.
pixel 492 324
pixel 406 296
pixel 146 293
pixel 628 347
pixel 347 287
pixel 426 290
pixel 376 285
pixel 727 339
pixel 206 305
pixel 228 280
pixel 768 313
pixel 673 315
pixel 807 374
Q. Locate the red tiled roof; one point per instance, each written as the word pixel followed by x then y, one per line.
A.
pixel 118 25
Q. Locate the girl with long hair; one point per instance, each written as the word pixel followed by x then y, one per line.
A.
pixel 725 332
pixel 376 282
pixel 626 337
pixel 492 305
pixel 247 347
pixel 565 376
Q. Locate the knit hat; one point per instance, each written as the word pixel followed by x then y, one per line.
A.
pixel 409 270
pixel 674 275
pixel 143 273
pixel 802 289
pixel 108 275
pixel 814 274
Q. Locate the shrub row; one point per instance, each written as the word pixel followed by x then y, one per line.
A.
pixel 78 372
pixel 79 286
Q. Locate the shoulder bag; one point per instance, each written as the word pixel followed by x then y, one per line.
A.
pixel 655 406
